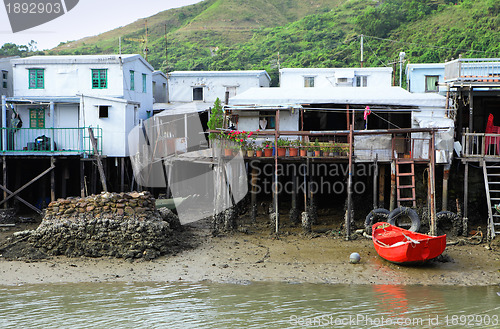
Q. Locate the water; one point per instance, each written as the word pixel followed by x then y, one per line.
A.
pixel 255 305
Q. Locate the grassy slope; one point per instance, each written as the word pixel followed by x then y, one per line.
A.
pixel 238 34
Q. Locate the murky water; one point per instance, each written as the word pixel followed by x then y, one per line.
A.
pixel 255 305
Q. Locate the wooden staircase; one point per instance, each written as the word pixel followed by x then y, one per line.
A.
pixel 492 185
pixel 405 181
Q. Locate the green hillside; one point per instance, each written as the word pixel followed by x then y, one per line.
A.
pixel 240 34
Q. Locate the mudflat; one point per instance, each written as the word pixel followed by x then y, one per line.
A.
pixel 260 256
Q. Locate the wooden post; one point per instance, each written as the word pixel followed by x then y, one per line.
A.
pixel 4 165
pixel 122 174
pixel 375 176
pixel 446 176
pixel 432 168
pixel 349 186
pixel 471 110
pixel 466 199
pixel 53 179
pixel 82 178
pixel 98 158
pixel 253 195
pixel 381 187
pixel 392 205
pixel 276 182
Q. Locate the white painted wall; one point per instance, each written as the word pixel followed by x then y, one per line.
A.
pixel 159 87
pixel 214 84
pixel 328 77
pixel 416 73
pixel 71 76
pixel 114 128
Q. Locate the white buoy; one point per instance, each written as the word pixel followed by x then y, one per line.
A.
pixel 354 258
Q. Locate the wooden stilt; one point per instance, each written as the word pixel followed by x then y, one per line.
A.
pixel 253 195
pixel 348 217
pixel 93 141
pixel 393 186
pixel 375 176
pixel 122 175
pixel 432 182
pixel 381 187
pixel 4 165
pixel 82 178
pixel 466 199
pixel 446 176
pixel 52 180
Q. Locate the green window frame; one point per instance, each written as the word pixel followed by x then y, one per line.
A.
pixel 99 78
pixel 144 83
pixel 132 80
pixel 36 78
pixel 37 118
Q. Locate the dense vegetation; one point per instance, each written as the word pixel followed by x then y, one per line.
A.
pixel 266 34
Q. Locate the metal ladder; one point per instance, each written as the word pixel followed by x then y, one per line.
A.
pixel 408 176
pixel 492 185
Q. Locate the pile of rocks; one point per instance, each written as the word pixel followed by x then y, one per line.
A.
pixel 125 225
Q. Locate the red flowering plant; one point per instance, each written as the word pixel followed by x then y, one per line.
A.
pixel 240 139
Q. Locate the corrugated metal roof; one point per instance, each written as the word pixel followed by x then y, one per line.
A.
pixel 390 96
pixel 80 59
pixel 218 73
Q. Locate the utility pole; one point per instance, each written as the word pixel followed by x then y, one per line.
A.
pixel 401 59
pixel 362 50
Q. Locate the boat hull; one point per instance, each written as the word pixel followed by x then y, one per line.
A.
pixel 401 246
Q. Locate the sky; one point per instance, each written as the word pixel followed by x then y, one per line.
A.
pixel 89 17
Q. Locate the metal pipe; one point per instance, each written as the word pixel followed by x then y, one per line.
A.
pixel 392 204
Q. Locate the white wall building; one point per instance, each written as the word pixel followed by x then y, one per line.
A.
pixel 424 78
pixel 335 77
pixel 207 86
pixel 112 92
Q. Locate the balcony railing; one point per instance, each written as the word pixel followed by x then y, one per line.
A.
pixel 49 140
pixel 472 69
pixel 478 145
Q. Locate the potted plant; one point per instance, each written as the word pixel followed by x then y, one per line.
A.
pixel 250 150
pixel 317 148
pixel 268 149
pixel 326 151
pixel 281 146
pixel 294 148
pixel 303 149
pixel 258 150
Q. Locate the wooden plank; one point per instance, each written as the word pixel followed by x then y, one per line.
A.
pixel 12 194
pixel 98 158
pixel 29 205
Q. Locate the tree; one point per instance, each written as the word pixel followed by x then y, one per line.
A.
pixel 216 118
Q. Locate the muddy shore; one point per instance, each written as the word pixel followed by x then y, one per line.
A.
pixel 258 256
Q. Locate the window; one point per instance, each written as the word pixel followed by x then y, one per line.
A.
pixel 431 83
pixel 36 78
pixel 342 80
pixel 197 93
pixel 103 111
pixel 37 118
pixel 144 84
pixel 132 80
pixel 267 120
pixel 231 90
pixel 99 79
pixel 361 81
pixel 4 79
pixel 308 82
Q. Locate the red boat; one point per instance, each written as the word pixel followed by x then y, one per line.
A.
pixel 401 246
